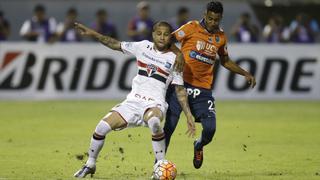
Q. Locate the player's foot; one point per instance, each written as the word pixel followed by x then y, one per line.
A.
pixel 84 171
pixel 153 177
pixel 197 157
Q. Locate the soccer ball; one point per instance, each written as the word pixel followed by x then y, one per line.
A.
pixel 164 170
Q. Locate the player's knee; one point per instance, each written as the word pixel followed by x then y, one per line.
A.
pixel 152 112
pixel 101 130
pixel 114 120
pixel 154 125
pixel 209 127
pixel 209 132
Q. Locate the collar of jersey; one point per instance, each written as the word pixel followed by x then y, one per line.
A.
pixel 157 51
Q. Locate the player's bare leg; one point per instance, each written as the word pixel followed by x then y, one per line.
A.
pixel 111 121
pixel 153 118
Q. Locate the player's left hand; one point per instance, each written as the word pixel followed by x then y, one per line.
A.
pixel 251 80
pixel 191 127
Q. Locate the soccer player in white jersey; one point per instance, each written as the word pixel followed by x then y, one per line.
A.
pixel 145 105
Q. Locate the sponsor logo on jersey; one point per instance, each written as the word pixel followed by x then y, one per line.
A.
pixel 168 65
pixel 201 57
pixel 143 97
pixel 200 45
pixel 152 58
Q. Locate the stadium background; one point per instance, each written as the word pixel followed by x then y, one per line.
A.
pixel 273 134
pixel 121 11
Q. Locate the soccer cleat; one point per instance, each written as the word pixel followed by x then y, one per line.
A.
pixel 197 157
pixel 152 177
pixel 84 171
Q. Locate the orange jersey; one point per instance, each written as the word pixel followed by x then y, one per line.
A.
pixel 200 48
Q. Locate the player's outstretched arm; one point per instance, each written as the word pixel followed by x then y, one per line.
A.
pixel 106 40
pixel 183 100
pixel 235 68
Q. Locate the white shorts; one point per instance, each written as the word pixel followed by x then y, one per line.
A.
pixel 132 110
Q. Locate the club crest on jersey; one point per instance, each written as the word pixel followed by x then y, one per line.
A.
pixel 168 65
pixel 200 45
pixel 206 47
pixel 217 38
pixel 181 33
pixel 151 69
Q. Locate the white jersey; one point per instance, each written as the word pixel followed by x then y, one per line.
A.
pixel 155 71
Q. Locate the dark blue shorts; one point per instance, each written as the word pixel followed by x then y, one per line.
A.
pixel 201 102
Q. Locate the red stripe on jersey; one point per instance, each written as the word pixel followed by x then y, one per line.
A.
pixel 141 64
pixel 163 72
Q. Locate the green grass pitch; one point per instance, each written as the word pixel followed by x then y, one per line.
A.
pixel 254 140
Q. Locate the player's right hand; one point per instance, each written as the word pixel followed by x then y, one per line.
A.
pixel 191 127
pixel 82 29
pixel 251 80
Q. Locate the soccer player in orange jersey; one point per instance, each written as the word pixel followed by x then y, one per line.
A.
pixel 200 43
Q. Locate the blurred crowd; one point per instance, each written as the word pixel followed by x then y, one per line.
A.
pixel 302 29
pixel 41 28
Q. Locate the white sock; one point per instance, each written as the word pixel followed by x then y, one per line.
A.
pixel 158 138
pixel 97 142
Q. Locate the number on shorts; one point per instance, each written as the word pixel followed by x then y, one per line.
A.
pixel 211 105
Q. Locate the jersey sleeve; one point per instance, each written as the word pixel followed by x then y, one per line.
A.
pixel 129 47
pixel 177 78
pixel 223 50
pixel 184 31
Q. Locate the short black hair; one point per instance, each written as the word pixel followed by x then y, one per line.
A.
pixel 162 23
pixel 215 6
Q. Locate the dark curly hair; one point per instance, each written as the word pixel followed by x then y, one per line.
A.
pixel 215 6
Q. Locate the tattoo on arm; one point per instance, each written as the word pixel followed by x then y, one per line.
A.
pixel 179 64
pixel 183 99
pixel 109 42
